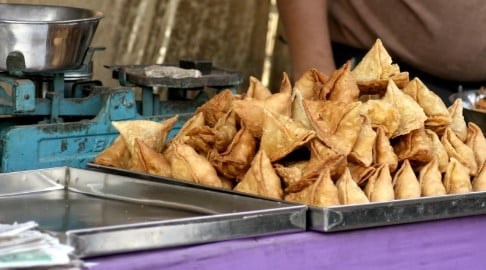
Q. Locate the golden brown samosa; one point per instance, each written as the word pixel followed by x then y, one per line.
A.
pixel 235 161
pixel 362 152
pixel 257 90
pixel 438 150
pixel 341 86
pixel 384 153
pixel 405 182
pixel 434 107
pixel 337 124
pixel 116 155
pixel 281 135
pixel 261 179
pixel 322 193
pixel 310 83
pixel 152 133
pixel 459 150
pixel 188 165
pixel 479 182
pixel 250 110
pixel 382 114
pixel 458 124
pixel 224 131
pixel 379 187
pixel 153 162
pixel 348 191
pixel 292 173
pixel 456 178
pixel 298 112
pixel 376 68
pixel 477 142
pixel 412 116
pixel 322 156
pixel 216 107
pixel 430 179
pixel 416 147
pixel 196 121
pixel 359 173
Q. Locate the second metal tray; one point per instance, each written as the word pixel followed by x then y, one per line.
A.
pixel 359 216
pixel 99 213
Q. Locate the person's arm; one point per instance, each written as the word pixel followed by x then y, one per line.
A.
pixel 307 33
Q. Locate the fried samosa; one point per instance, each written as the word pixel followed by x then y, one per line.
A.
pixel 257 90
pixel 405 182
pixel 348 191
pixel 152 133
pixel 362 152
pixel 341 86
pixel 298 112
pixel 434 107
pixel 430 179
pixel 216 107
pixel 337 124
pixel 459 150
pixel 412 116
pixel 438 150
pixel 382 114
pixel 359 173
pixel 235 161
pixel 458 124
pixel 153 162
pixel 479 182
pixel 310 84
pixel 261 179
pixel 116 155
pixel 384 153
pixel 477 142
pixel 281 135
pixel 379 187
pixel 322 193
pixel 416 147
pixel 251 110
pixel 291 174
pixel 376 68
pixel 456 178
pixel 188 165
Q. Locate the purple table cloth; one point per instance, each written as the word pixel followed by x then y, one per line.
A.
pixel 458 243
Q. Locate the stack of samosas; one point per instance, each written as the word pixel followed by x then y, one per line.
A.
pixel 367 134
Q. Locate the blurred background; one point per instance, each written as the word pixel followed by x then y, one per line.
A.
pixel 244 36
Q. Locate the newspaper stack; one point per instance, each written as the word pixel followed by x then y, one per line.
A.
pixel 21 246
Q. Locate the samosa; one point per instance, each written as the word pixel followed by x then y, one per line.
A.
pixel 384 153
pixel 281 135
pixel 477 142
pixel 460 151
pixel 456 178
pixel 322 193
pixel 337 124
pixel 348 191
pixel 405 182
pixel 479 182
pixel 153 162
pixel 458 124
pixel 434 107
pixel 261 179
pixel 116 155
pixel 341 86
pixel 376 68
pixel 362 152
pixel 438 150
pixel 310 84
pixel 379 187
pixel 430 179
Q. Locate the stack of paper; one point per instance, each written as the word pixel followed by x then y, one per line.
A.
pixel 23 246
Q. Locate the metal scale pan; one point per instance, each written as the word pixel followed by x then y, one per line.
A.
pixel 359 216
pixel 100 213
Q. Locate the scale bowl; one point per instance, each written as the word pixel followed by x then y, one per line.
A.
pixel 471 114
pixel 51 38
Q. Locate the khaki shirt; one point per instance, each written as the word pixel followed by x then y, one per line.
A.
pixel 446 39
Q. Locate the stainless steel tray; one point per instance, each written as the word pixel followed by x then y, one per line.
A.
pixel 99 213
pixel 350 217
